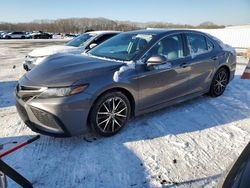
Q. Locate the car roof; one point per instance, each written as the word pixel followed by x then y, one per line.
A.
pixel 103 32
pixel 157 31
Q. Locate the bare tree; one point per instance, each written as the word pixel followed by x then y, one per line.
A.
pixel 80 25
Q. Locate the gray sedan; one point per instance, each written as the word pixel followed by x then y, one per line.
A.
pixel 130 74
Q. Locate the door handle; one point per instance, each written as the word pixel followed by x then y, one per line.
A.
pixel 214 58
pixel 184 65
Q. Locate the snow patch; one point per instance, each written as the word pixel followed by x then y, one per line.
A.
pixel 130 65
pixel 103 58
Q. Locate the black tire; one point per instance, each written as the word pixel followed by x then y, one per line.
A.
pixel 110 113
pixel 219 83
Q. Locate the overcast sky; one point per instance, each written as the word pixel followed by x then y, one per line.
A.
pixel 227 12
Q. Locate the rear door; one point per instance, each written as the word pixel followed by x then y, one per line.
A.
pixel 201 60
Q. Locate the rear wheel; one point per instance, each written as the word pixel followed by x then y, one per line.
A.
pixel 219 83
pixel 110 113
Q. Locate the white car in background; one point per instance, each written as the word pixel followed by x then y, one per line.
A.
pixel 77 45
pixel 16 35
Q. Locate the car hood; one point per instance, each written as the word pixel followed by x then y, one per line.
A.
pixel 49 50
pixel 66 69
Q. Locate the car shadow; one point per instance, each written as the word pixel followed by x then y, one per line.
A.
pixel 7 97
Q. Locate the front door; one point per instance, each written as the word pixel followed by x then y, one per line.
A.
pixel 163 83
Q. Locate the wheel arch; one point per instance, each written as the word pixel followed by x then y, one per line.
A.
pixel 124 91
pixel 227 69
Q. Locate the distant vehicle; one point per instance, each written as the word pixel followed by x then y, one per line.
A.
pixel 2 33
pixel 238 174
pixel 56 35
pixel 40 35
pixel 16 35
pixel 128 75
pixel 76 46
pixel 70 35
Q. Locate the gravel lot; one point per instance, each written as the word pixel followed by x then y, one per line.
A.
pixel 186 145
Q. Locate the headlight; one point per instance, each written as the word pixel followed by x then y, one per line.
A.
pixel 61 92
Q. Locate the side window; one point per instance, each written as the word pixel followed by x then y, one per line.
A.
pixel 103 38
pixel 210 45
pixel 196 44
pixel 170 47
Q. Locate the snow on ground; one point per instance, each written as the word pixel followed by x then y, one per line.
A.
pixel 186 145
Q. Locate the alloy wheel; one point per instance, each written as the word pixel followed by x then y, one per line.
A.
pixel 112 115
pixel 220 82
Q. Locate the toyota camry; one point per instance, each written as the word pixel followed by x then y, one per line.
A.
pixel 130 74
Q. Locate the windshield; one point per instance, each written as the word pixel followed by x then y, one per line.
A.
pixel 80 40
pixel 123 47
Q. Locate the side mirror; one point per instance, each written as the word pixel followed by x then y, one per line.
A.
pixel 92 45
pixel 156 60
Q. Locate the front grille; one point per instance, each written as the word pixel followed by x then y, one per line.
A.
pixel 45 118
pixel 22 112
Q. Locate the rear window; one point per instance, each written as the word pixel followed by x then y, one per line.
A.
pixel 196 44
pixel 210 45
pixel 81 40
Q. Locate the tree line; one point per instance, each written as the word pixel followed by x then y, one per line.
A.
pixel 80 25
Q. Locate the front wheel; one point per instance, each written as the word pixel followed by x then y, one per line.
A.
pixel 110 113
pixel 219 83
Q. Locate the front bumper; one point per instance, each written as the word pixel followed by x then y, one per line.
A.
pixel 60 117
